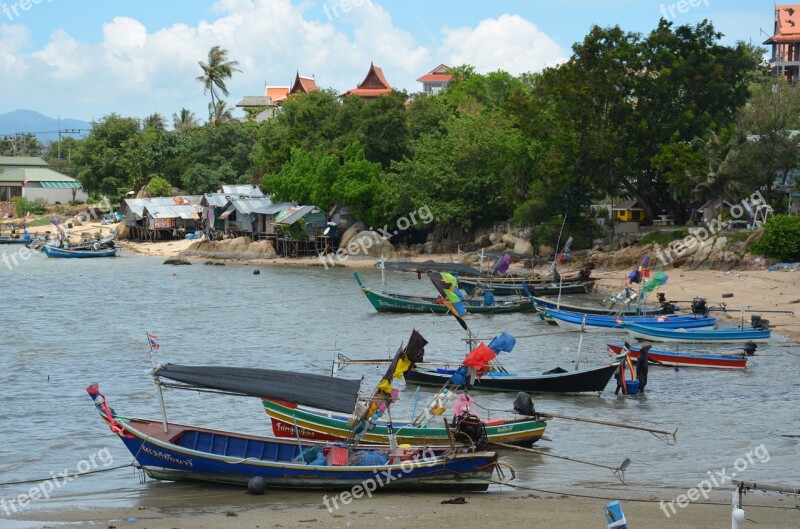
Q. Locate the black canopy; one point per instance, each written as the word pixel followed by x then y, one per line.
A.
pixel 317 391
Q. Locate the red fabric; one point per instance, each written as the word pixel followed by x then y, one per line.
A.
pixel 479 357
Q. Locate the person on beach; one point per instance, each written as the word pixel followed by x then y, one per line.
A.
pixel 642 366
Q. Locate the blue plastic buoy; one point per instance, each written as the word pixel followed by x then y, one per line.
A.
pixel 132 520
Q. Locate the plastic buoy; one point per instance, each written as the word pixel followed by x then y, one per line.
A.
pixel 256 272
pixel 131 520
pixel 257 485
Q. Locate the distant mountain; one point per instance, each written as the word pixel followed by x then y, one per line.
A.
pixel 45 128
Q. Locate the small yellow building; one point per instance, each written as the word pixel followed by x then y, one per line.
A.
pixel 628 211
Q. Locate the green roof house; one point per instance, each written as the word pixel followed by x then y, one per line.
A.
pixel 31 179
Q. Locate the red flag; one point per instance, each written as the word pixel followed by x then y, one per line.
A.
pixel 152 339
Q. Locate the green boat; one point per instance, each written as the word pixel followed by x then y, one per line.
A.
pixel 391 302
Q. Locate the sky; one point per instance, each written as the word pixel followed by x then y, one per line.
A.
pixel 84 59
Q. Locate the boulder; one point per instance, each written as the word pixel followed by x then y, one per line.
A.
pixel 350 233
pixel 369 243
pixel 509 240
pixel 499 247
pixel 122 230
pixel 264 248
pixel 177 260
pixel 76 221
pixel 239 244
pixel 496 237
pixel 431 247
pixel 523 247
pixel 483 241
pixel 545 251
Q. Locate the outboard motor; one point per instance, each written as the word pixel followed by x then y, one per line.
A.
pixel 759 323
pixel 700 307
pixel 523 404
pixel 750 348
pixel 469 430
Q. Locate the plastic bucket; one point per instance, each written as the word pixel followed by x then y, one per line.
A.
pixel 632 387
pixel 614 515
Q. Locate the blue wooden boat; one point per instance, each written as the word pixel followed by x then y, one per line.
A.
pixel 660 334
pixel 595 322
pixel 53 251
pixel 9 240
pixel 186 452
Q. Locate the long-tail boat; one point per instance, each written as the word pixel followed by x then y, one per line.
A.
pixel 595 322
pixel 392 302
pixel 677 359
pixel 71 253
pixel 683 335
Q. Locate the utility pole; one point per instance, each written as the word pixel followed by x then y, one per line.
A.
pixel 60 133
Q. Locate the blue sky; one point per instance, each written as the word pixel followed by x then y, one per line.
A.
pixel 86 58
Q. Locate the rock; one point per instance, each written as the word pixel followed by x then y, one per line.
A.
pixel 545 251
pixel 499 247
pixel 495 237
pixel 122 230
pixel 483 241
pixel 264 248
pixel 239 244
pixel 369 243
pixel 523 247
pixel 431 247
pixel 509 240
pixel 177 260
pixel 350 233
pixel 76 221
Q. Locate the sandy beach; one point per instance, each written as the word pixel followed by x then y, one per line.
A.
pixel 421 511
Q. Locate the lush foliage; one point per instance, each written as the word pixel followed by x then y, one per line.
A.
pixel 35 207
pixel 781 239
pixel 672 118
pixel 159 187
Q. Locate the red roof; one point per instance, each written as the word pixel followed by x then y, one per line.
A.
pixel 435 77
pixel 303 85
pixel 373 85
pixel 277 93
pixel 787 24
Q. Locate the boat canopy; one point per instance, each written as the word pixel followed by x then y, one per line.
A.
pixel 316 391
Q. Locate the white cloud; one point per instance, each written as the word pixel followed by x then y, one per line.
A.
pixel 508 43
pixel 136 72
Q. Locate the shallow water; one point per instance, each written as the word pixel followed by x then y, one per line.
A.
pixel 69 323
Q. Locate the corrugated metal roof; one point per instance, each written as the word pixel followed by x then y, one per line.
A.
pixel 217 200
pixel 242 191
pixel 137 205
pixel 171 212
pixel 250 205
pixel 22 161
pixel 35 174
pixel 293 214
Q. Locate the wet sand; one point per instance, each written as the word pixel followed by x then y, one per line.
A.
pixel 422 511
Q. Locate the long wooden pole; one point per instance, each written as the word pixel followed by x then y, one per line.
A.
pixel 610 423
pixel 616 470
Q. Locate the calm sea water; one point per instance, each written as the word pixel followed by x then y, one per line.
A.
pixel 69 323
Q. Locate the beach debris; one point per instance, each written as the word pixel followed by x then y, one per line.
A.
pixel 231 514
pixel 455 501
pixel 614 516
pixel 257 485
pixel 131 520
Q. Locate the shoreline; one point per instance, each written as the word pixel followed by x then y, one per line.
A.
pixel 392 510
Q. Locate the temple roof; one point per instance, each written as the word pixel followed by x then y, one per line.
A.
pixel 277 93
pixel 437 74
pixel 787 24
pixel 303 85
pixel 373 85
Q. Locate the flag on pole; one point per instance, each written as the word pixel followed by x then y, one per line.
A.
pixel 153 341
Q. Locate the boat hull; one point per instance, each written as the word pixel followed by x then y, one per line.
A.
pixel 6 240
pixel 658 334
pixel 389 302
pixel 595 323
pixel 235 459
pixel 670 358
pixel 515 287
pixel 544 303
pixel 589 380
pixel 52 251
pixel 319 426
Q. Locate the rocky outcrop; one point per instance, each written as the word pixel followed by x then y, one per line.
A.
pixel 523 247
pixel 350 233
pixel 369 243
pixel 241 248
pixel 177 260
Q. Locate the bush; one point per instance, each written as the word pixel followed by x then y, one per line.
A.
pixel 664 237
pixel 159 187
pixel 35 207
pixel 781 239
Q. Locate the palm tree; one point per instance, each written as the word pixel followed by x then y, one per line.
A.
pixel 155 122
pixel 221 113
pixel 184 120
pixel 216 71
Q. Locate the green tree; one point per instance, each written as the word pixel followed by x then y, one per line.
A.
pixel 159 187
pixel 154 122
pixel 102 157
pixel 216 72
pixel 184 120
pixel 21 145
